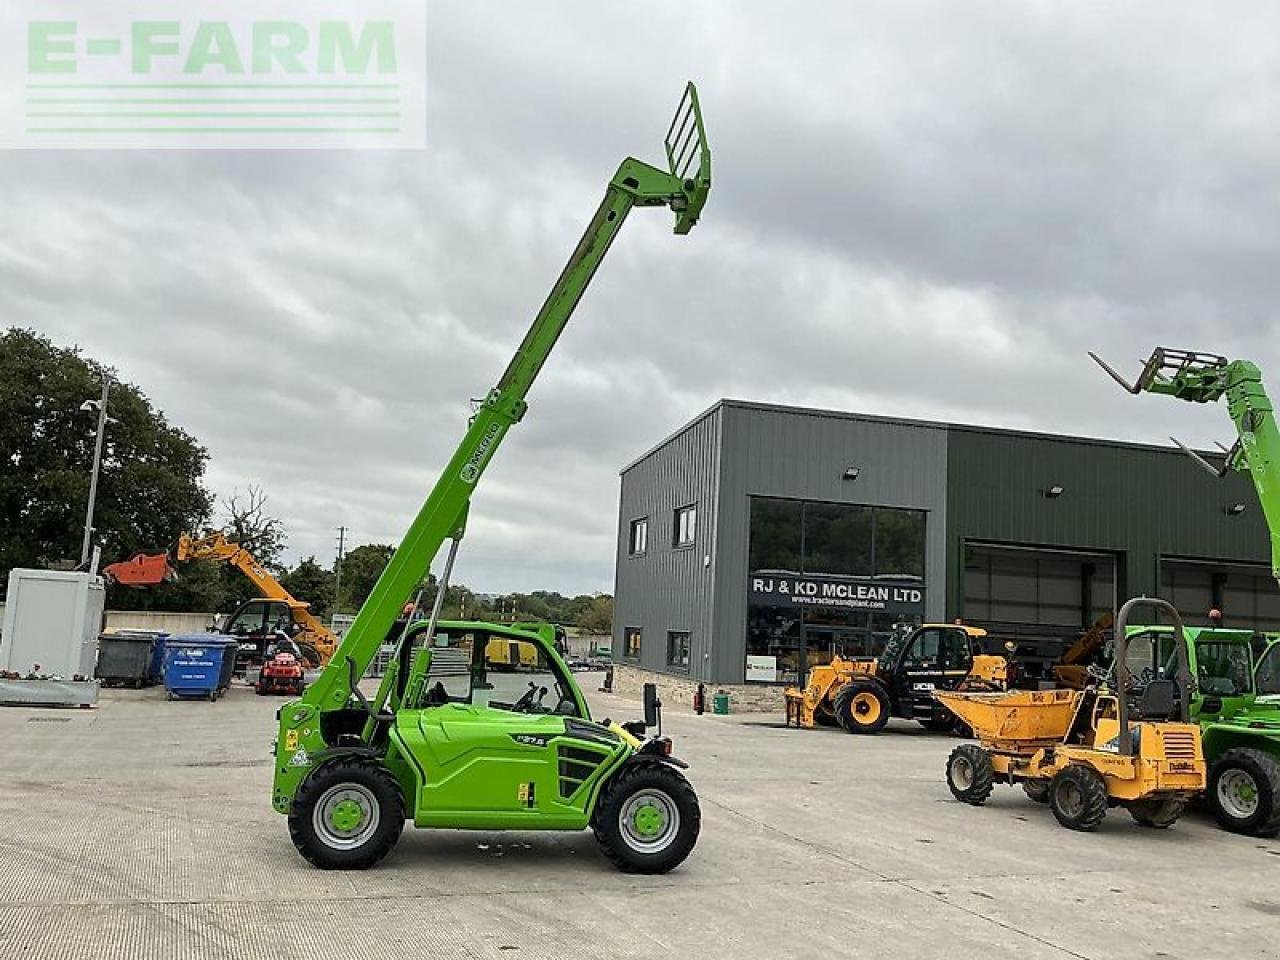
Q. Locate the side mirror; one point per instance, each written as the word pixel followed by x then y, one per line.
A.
pixel 652 707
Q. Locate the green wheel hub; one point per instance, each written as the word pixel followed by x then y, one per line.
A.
pixel 648 820
pixel 346 816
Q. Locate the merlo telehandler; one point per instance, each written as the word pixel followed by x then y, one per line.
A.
pixel 861 695
pixel 448 741
pixel 1240 728
pixel 1082 751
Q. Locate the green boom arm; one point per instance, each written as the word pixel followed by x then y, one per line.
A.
pixel 683 187
pixel 1206 378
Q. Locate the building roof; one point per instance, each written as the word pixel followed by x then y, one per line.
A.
pixel 753 405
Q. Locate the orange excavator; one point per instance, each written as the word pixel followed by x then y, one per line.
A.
pixel 255 623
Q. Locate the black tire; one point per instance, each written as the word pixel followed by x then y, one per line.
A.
pixel 862 706
pixel 1037 790
pixel 1078 798
pixel 310 655
pixel 370 792
pixel 673 812
pixel 1159 813
pixel 937 724
pixel 1244 792
pixel 824 715
pixel 970 775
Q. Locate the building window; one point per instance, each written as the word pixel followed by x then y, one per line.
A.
pixel 639 536
pixel 631 643
pixel 678 649
pixel 840 539
pixel 685 527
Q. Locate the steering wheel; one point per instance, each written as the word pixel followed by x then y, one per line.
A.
pixel 530 699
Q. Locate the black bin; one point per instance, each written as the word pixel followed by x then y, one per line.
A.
pixel 124 660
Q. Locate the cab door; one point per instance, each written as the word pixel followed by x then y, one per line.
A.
pixel 919 672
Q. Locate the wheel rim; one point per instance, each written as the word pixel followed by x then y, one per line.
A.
pixel 962 773
pixel 649 821
pixel 866 707
pixel 1238 794
pixel 346 816
pixel 1070 799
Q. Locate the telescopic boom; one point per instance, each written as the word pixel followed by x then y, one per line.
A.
pixel 682 187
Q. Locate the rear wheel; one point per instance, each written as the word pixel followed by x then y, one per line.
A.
pixel 648 820
pixel 1244 792
pixel 1078 798
pixel 970 775
pixel 1159 813
pixel 1037 790
pixel 862 706
pixel 347 815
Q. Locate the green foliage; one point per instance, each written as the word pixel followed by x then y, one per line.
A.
pixel 150 486
pixel 313 583
pixel 360 571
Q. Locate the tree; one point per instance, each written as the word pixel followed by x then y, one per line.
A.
pixel 149 488
pixel 313 583
pixel 361 568
pixel 598 617
pixel 247 523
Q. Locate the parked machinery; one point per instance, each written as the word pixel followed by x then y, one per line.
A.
pixel 861 695
pixel 452 739
pixel 255 622
pixel 1082 751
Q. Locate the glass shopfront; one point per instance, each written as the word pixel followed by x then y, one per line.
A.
pixel 828 579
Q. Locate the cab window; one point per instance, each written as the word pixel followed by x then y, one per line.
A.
pixel 926 648
pixel 1223 669
pixel 955 650
pixel 497 671
pixel 1269 671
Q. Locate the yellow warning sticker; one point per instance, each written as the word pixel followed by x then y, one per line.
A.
pixel 523 793
pixel 291 740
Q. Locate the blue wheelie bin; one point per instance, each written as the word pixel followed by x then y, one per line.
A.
pixel 198 666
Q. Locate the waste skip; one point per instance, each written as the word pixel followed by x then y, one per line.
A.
pixel 124 660
pixel 198 666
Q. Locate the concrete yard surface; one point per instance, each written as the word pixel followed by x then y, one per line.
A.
pixel 142 829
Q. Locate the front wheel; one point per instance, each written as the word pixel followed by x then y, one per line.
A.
pixel 862 706
pixel 648 820
pixel 1244 792
pixel 970 775
pixel 347 815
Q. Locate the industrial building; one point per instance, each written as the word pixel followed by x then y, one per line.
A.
pixel 759 539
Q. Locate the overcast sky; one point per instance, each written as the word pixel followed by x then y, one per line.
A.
pixel 922 209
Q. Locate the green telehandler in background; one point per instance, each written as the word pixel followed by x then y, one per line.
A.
pixel 1236 698
pixel 482 726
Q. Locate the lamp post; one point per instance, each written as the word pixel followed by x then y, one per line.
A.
pixel 97 463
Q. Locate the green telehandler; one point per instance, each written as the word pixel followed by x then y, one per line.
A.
pixel 482 726
pixel 1234 701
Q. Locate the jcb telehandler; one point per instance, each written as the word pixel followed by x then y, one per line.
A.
pixel 1083 750
pixel 449 741
pixel 861 695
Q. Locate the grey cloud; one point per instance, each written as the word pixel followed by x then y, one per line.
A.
pixel 925 209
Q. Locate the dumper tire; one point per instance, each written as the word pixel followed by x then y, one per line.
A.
pixel 1158 813
pixel 862 706
pixel 970 774
pixel 659 843
pixel 1238 773
pixel 315 824
pixel 1037 790
pixel 1078 798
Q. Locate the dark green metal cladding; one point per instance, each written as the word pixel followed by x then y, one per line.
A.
pixel 1139 502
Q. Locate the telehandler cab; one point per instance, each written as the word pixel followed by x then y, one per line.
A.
pixel 1082 751
pixel 452 739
